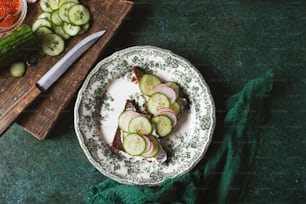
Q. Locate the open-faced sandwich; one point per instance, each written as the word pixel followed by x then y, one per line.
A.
pixel 141 126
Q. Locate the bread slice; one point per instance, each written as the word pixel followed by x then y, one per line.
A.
pixel 132 105
pixel 138 73
pixel 129 105
pixel 117 143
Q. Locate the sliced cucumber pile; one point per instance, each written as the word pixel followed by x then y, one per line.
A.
pixel 138 141
pixel 163 102
pixel 141 145
pixel 62 18
pixel 134 122
pixel 125 118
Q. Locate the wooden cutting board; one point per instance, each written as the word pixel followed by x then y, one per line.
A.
pixel 41 116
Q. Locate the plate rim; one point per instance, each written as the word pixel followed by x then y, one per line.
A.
pixel 86 82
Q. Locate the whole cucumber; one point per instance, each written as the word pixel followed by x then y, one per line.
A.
pixel 17 46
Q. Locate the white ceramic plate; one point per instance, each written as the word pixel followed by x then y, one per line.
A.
pixel 102 97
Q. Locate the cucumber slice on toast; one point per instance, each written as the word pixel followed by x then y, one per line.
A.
pixel 134 144
pixel 176 107
pixel 125 119
pixel 140 125
pixel 157 101
pixel 147 84
pixel 163 125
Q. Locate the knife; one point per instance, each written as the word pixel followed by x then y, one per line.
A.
pixel 47 80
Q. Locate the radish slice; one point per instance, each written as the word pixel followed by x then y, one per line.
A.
pixel 149 151
pixel 167 90
pixel 149 147
pixel 168 112
pixel 125 118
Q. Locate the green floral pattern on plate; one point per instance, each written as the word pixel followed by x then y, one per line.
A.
pixel 97 105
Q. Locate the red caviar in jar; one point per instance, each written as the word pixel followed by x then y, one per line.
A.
pixel 9 7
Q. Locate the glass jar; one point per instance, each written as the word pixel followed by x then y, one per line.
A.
pixel 12 14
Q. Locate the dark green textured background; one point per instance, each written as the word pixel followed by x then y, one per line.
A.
pixel 230 42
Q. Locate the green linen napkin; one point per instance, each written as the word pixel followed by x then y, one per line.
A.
pixel 221 176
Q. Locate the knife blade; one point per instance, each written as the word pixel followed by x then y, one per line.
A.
pixel 47 80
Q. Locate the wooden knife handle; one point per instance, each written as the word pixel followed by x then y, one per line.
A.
pixel 17 108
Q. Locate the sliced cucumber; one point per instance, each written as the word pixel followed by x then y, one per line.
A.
pixel 41 32
pixel 53 4
pixel 55 18
pixel 63 11
pixel 17 69
pixel 157 101
pixel 78 14
pixel 134 144
pixel 176 107
pixel 61 2
pixel 163 125
pixel 44 15
pixel 140 125
pixel 125 119
pixel 71 29
pixel 41 22
pixel 84 28
pixel 45 6
pixel 147 84
pixel 154 148
pixel 59 30
pixel 53 44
